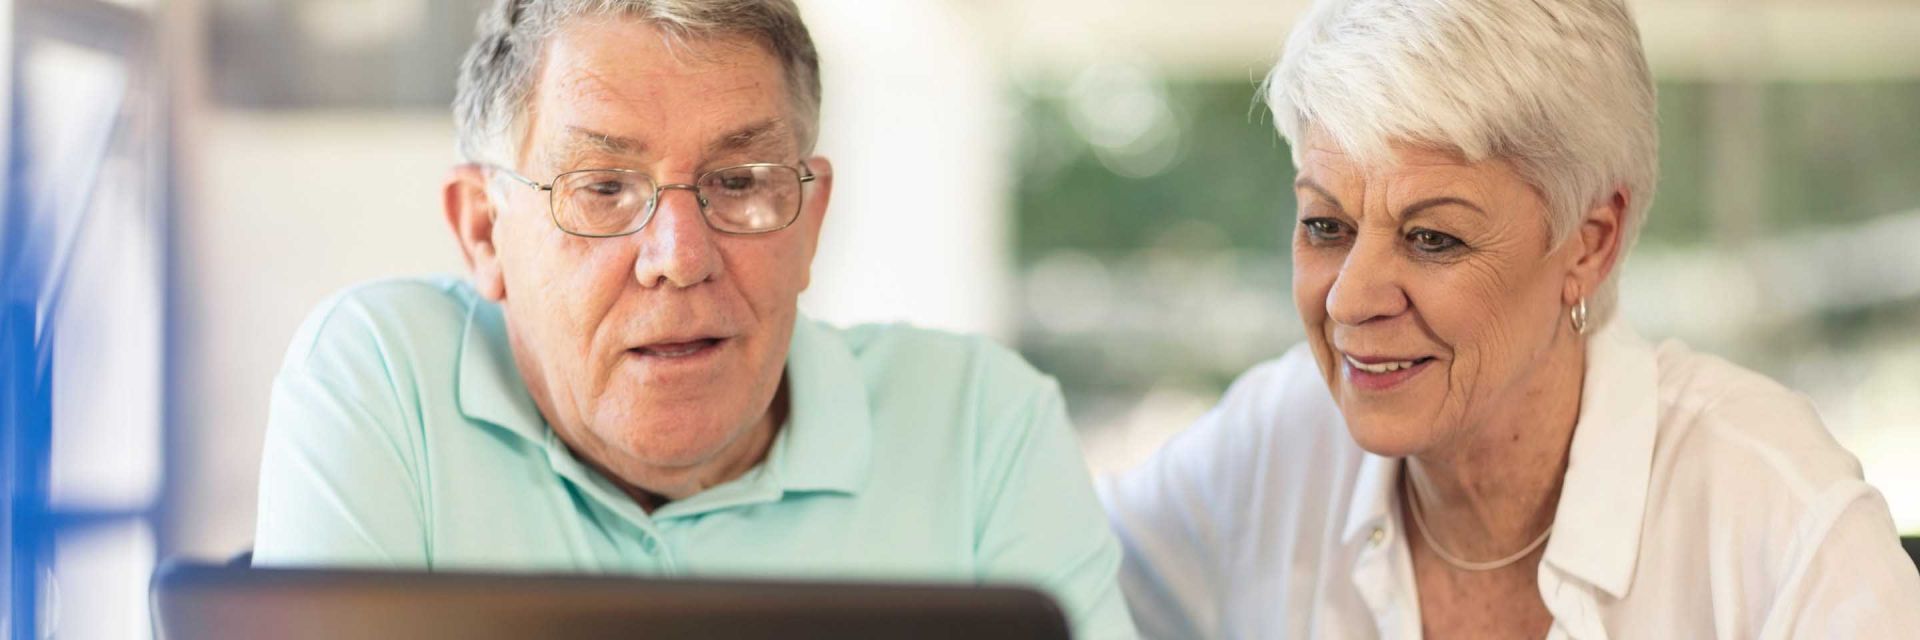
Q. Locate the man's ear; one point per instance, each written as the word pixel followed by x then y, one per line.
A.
pixel 813 210
pixel 470 214
pixel 1602 231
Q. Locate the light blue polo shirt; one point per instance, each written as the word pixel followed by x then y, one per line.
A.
pixel 401 435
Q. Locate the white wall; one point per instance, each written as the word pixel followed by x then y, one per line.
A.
pixel 916 124
pixel 287 208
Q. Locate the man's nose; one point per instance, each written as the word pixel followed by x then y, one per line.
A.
pixel 1368 286
pixel 676 247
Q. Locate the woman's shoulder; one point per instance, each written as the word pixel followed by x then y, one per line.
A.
pixel 1283 400
pixel 1262 479
pixel 1276 426
pixel 1720 418
pixel 1752 501
pixel 1740 457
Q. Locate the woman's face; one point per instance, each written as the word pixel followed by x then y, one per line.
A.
pixel 1431 293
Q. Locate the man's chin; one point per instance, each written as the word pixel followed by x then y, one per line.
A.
pixel 674 448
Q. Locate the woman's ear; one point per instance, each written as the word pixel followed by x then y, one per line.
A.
pixel 470 214
pixel 1597 243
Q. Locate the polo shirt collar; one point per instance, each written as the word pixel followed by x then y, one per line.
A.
pixel 824 445
pixel 489 387
pixel 827 441
pixel 1596 530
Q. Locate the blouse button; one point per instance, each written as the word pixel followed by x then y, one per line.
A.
pixel 1379 536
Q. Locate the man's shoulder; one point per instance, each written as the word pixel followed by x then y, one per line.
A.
pixel 898 351
pixel 385 319
pixel 963 391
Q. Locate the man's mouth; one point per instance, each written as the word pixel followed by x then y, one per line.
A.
pixel 679 349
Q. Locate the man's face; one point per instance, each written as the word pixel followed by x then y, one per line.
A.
pixel 656 355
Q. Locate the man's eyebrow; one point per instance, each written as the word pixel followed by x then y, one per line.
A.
pixel 755 135
pixel 578 137
pixel 1307 183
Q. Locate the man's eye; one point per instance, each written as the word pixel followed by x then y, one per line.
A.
pixel 1323 230
pixel 607 188
pixel 734 183
pixel 1430 241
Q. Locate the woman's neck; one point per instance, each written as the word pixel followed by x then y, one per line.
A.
pixel 1494 490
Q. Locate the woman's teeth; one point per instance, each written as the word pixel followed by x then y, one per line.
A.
pixel 1383 367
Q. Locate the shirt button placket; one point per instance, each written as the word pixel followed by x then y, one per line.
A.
pixel 659 553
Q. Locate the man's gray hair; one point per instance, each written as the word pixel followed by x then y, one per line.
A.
pixel 1558 88
pixel 496 78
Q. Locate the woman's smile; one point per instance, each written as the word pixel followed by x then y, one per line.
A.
pixel 1373 373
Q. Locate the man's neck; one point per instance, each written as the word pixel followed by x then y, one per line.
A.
pixel 739 457
pixel 664 485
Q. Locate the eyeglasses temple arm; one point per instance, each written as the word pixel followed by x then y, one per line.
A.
pixel 515 175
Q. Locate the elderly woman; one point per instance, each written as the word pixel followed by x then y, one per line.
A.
pixel 1470 444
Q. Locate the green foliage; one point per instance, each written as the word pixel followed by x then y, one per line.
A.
pixel 1232 170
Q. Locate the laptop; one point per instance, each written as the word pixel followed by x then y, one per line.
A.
pixel 215 602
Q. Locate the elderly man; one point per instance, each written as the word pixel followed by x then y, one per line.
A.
pixel 623 383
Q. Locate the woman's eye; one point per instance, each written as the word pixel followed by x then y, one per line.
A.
pixel 1323 230
pixel 1430 241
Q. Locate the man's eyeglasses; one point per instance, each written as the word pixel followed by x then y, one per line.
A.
pixel 741 200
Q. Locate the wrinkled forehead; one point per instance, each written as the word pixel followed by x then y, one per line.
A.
pixel 1408 172
pixel 770 139
pixel 623 87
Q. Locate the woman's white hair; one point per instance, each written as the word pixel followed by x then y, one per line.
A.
pixel 1557 88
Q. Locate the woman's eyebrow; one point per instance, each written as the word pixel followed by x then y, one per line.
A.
pixel 1307 183
pixel 1440 201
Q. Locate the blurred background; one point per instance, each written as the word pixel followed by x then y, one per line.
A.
pixel 186 179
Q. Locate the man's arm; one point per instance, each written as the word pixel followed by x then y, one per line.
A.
pixel 1041 521
pixel 338 483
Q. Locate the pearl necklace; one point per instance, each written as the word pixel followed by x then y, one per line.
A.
pixel 1419 517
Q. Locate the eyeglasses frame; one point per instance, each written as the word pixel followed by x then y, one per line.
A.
pixel 653 202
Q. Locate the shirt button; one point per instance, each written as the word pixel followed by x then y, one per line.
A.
pixel 648 544
pixel 1379 536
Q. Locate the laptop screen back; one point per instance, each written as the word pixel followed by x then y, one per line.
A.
pixel 213 603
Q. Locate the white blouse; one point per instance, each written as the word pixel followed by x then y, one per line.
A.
pixel 1701 500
